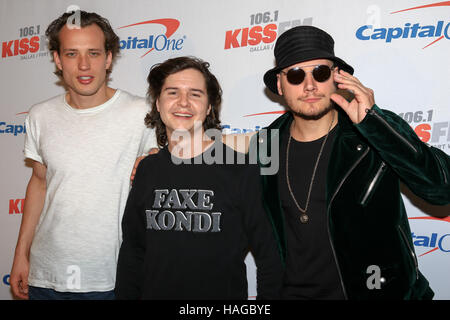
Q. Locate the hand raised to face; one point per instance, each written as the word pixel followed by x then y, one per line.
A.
pixel 364 97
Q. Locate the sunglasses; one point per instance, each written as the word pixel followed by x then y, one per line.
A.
pixel 320 73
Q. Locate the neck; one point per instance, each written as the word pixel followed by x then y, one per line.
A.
pixel 78 101
pixel 187 144
pixel 309 130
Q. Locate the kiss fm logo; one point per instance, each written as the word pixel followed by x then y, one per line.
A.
pixel 433 241
pixel 436 134
pixel 16 206
pixel 262 32
pixel 150 42
pixel 29 45
pixel 12 128
pixel 410 30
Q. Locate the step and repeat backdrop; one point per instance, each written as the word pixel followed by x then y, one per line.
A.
pixel 399 49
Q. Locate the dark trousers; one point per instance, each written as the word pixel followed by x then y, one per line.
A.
pixel 36 293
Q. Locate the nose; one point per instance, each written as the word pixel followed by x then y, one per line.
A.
pixel 184 99
pixel 309 84
pixel 83 62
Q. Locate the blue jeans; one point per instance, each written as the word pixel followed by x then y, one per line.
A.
pixel 35 293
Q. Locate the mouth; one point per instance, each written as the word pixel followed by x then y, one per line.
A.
pixel 85 79
pixel 183 115
pixel 311 99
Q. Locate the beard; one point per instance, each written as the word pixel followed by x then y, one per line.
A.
pixel 316 116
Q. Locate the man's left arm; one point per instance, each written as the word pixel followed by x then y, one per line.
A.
pixel 424 169
pixel 130 279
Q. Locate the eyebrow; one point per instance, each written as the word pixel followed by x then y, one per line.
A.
pixel 190 89
pixel 73 49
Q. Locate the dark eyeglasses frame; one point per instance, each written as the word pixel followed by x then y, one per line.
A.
pixel 316 68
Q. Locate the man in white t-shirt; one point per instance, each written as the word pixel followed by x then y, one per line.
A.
pixel 83 145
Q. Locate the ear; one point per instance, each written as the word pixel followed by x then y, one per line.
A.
pixel 108 59
pixel 209 110
pixel 57 60
pixel 279 85
pixel 157 105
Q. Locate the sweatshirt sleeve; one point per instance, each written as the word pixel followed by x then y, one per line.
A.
pixel 263 245
pixel 424 169
pixel 130 267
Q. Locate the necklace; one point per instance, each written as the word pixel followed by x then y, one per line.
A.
pixel 303 216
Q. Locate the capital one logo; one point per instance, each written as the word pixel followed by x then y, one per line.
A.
pixel 431 241
pixel 6 280
pixel 150 42
pixel 410 30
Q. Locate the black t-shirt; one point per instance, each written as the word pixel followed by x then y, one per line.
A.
pixel 187 229
pixel 311 271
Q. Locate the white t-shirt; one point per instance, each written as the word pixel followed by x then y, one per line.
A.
pixel 89 155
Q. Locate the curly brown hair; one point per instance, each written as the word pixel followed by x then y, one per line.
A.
pixel 156 78
pixel 86 19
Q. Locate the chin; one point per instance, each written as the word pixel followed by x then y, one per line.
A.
pixel 182 130
pixel 314 114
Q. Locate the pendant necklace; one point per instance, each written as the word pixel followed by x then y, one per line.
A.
pixel 303 216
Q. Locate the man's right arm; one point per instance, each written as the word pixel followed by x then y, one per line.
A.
pixel 34 202
pixel 262 238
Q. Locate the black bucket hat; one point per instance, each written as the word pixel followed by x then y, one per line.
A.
pixel 300 44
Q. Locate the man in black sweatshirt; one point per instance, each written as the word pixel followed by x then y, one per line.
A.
pixel 195 208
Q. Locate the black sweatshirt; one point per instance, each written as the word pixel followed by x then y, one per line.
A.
pixel 187 229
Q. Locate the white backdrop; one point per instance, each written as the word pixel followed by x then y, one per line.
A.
pixel 402 56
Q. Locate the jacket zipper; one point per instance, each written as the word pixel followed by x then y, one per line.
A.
pixel 373 182
pixel 372 112
pixel 411 251
pixel 409 144
pixel 328 216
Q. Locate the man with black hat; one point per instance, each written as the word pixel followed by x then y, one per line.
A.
pixel 335 201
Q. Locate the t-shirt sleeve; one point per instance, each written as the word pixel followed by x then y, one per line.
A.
pixel 263 245
pixel 31 148
pixel 148 141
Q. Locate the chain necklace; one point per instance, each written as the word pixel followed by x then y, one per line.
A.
pixel 303 216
